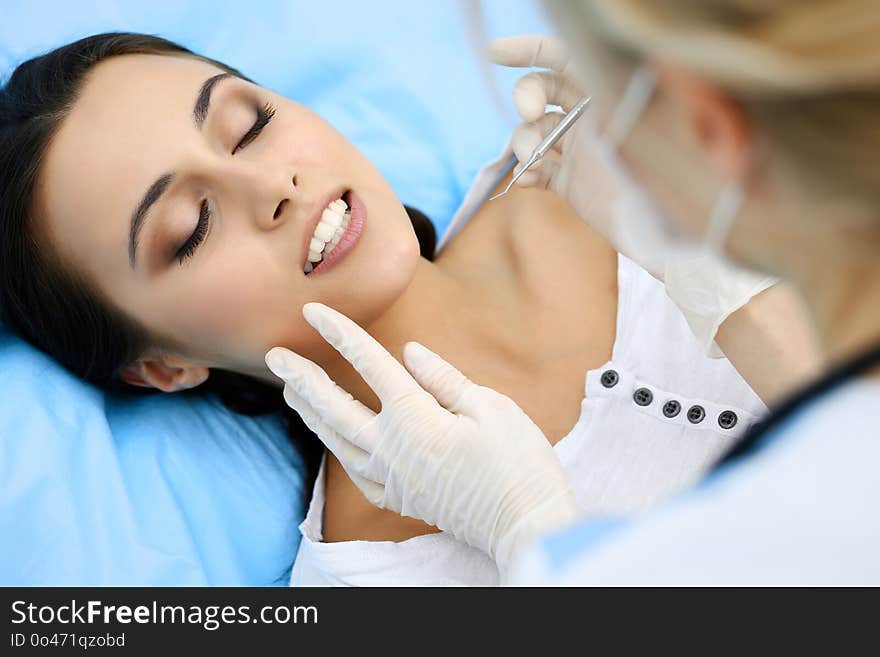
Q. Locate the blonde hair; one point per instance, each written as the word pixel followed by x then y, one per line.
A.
pixel 808 71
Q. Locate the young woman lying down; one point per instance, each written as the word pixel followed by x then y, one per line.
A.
pixel 163 220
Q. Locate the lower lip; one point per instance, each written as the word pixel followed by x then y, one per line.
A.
pixel 349 238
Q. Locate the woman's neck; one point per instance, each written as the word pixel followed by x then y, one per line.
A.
pixel 437 309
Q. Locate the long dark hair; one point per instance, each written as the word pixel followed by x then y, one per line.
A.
pixel 57 310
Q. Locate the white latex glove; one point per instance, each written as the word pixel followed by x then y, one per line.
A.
pixel 706 289
pixel 457 455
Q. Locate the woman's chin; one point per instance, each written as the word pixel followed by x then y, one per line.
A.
pixel 382 282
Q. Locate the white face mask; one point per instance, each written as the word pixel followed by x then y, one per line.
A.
pixel 704 285
pixel 640 230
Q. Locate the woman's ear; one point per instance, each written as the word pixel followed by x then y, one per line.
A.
pixel 719 124
pixel 165 372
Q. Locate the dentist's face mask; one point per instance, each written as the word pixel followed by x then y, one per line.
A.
pixel 639 229
pixel 704 285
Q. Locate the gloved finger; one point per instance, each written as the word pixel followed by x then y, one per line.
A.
pixel 375 493
pixel 379 369
pixel 541 176
pixel 527 136
pixel 340 411
pixel 536 50
pixel 531 178
pixel 534 91
pixel 438 377
pixel 352 457
pixel 354 460
pixel 525 139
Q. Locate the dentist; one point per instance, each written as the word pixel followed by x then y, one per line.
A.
pixel 753 127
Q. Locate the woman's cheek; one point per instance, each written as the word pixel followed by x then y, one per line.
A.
pixel 384 276
pixel 400 258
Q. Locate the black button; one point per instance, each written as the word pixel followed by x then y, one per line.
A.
pixel 643 397
pixel 727 420
pixel 696 414
pixel 609 378
pixel 671 408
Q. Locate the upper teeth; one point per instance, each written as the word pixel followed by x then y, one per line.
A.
pixel 328 232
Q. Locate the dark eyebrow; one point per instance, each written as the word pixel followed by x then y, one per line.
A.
pixel 200 113
pixel 137 219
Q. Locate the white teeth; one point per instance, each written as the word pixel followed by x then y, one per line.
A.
pixel 338 234
pixel 324 231
pixel 330 229
pixel 331 217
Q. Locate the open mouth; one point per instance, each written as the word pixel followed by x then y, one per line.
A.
pixel 328 231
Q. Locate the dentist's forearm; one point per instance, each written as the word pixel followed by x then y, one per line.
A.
pixel 771 343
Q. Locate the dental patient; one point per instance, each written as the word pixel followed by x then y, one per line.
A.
pixel 163 220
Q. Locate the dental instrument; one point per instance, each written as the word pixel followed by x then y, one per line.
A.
pixel 549 141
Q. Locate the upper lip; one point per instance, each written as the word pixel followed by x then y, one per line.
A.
pixel 312 221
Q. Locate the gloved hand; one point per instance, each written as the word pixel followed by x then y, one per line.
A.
pixel 457 455
pixel 704 287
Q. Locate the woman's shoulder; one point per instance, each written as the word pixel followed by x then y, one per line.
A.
pixel 532 236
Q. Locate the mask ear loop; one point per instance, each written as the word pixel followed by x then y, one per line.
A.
pixel 727 206
pixel 638 92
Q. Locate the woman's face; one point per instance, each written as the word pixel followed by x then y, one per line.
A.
pixel 135 135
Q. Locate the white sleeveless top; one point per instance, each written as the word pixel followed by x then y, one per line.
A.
pixel 653 420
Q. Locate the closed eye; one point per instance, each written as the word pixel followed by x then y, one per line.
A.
pixel 188 248
pixel 264 115
pixel 198 235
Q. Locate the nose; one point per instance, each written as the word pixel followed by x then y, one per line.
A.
pixel 267 193
pixel 275 203
pixel 279 208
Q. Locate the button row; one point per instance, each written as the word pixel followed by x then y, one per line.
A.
pixel 695 414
